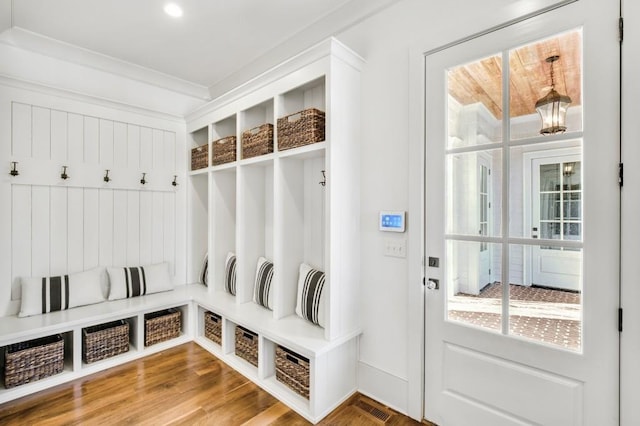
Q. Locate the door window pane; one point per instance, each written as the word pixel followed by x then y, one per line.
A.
pixel 472 286
pixel 530 80
pixel 475 103
pixel 546 306
pixel 473 182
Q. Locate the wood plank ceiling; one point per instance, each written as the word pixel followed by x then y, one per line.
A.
pixel 530 80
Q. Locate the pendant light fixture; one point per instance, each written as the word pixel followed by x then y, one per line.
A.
pixel 553 107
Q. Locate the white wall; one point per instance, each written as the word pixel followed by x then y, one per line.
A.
pixel 389 354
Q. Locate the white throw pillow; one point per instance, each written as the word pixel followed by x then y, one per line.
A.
pixel 310 303
pixel 136 281
pixel 48 294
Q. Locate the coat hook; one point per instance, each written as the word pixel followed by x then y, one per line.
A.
pixel 64 174
pixel 14 170
pixel 324 179
pixel 175 180
pixel 143 180
pixel 106 176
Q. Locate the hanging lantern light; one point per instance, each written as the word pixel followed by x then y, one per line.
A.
pixel 553 107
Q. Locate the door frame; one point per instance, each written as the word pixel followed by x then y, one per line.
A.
pixel 416 241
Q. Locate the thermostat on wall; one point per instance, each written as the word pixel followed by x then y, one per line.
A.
pixel 392 221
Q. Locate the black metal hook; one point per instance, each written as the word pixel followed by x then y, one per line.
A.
pixel 143 180
pixel 106 176
pixel 14 170
pixel 64 175
pixel 175 180
pixel 324 178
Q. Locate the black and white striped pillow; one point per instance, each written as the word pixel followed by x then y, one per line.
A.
pixel 49 294
pixel 310 303
pixel 138 280
pixel 230 273
pixel 204 273
pixel 262 290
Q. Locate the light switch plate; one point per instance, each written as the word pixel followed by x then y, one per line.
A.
pixel 395 247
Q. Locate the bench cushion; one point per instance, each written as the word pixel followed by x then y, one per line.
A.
pixel 48 294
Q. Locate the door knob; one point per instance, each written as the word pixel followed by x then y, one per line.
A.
pixel 433 284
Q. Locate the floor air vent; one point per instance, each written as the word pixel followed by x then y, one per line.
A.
pixel 374 412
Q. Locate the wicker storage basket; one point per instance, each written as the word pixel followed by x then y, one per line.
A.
pixel 33 360
pixel 200 157
pixel 105 340
pixel 213 327
pixel 302 128
pixel 224 150
pixel 292 370
pixel 257 141
pixel 162 325
pixel 247 345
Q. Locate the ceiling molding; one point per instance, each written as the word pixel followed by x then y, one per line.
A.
pixel 43 45
pixel 327 26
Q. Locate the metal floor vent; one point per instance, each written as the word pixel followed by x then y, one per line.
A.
pixel 375 412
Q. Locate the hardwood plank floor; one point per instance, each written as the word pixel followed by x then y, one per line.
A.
pixel 185 385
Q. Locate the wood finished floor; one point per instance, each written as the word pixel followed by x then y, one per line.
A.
pixel 185 385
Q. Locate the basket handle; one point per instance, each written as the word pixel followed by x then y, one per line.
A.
pixel 247 336
pixel 294 117
pixel 292 359
pixel 255 130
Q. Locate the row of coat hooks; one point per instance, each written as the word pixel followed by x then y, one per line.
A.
pixel 64 175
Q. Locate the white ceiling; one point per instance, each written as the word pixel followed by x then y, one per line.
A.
pixel 214 40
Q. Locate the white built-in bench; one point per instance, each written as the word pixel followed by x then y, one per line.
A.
pixel 329 360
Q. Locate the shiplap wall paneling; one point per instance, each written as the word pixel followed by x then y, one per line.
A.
pixel 146 227
pixel 20 236
pixel 133 146
pixel 120 148
pixel 157 228
pixel 91 140
pixel 91 222
pixel 58 245
pixel 169 230
pixel 75 229
pixel 106 143
pixel 41 136
pixel 21 130
pixel 59 126
pixel 75 138
pixel 106 227
pixel 120 226
pixel 133 228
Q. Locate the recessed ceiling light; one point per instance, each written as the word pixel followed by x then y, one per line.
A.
pixel 173 10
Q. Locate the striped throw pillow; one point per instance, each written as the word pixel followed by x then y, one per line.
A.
pixel 204 273
pixel 311 300
pixel 230 273
pixel 136 281
pixel 49 294
pixel 262 289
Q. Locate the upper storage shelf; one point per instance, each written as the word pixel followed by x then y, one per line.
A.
pixel 291 199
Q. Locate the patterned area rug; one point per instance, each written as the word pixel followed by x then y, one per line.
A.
pixel 543 322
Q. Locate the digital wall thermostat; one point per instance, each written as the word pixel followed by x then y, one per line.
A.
pixel 392 221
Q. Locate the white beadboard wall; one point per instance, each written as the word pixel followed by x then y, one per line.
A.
pixel 64 226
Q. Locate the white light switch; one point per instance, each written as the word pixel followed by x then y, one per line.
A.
pixel 395 247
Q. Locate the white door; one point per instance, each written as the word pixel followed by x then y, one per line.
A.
pixel 484 207
pixel 514 354
pixel 556 212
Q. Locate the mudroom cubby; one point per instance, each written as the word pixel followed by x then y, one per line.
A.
pixel 296 205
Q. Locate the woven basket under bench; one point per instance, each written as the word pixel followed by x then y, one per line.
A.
pixel 162 325
pixel 33 360
pixel 105 340
pixel 247 345
pixel 213 327
pixel 292 369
